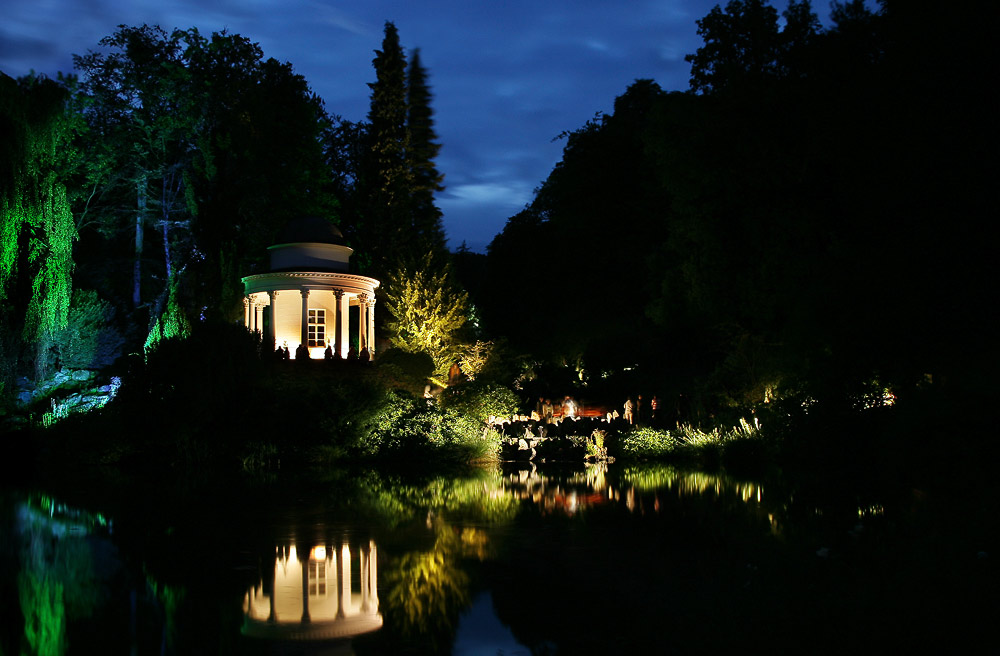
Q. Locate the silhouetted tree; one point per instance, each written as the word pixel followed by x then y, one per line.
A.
pixel 428 232
pixel 741 47
pixel 388 180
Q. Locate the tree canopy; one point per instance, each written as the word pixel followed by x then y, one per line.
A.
pixel 796 222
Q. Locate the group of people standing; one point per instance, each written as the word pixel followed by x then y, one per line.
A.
pixel 302 353
pixel 545 410
pixel 635 412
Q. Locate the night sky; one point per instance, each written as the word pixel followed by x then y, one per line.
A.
pixel 507 77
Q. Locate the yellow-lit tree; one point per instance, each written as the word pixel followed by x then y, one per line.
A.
pixel 428 312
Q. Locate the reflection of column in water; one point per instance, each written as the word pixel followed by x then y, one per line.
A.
pixel 340 584
pixel 369 580
pixel 271 616
pixel 305 588
pixel 346 580
pixel 363 553
pixel 373 573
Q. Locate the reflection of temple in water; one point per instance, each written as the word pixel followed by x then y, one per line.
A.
pixel 325 593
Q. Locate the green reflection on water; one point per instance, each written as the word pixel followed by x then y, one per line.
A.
pixel 44 608
pixel 57 580
pixel 688 482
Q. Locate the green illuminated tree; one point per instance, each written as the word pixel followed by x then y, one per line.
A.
pixel 37 229
pixel 428 312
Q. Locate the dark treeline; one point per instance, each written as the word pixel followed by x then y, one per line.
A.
pixel 807 221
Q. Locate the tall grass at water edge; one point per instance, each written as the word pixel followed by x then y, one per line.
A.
pixel 690 442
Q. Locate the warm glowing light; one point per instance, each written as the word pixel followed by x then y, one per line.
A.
pixel 318 553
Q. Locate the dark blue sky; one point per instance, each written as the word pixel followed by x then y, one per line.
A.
pixel 507 76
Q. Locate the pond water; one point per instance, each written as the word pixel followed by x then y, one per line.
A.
pixel 512 559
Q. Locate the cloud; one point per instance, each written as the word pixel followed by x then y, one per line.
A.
pixel 512 194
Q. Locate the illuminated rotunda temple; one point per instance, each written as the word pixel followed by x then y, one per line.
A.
pixel 309 294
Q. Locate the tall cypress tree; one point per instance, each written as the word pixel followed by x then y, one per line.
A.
pixel 388 176
pixel 428 232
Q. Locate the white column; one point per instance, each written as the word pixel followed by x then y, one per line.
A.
pixel 271 335
pixel 304 324
pixel 345 325
pixel 362 322
pixel 338 325
pixel 371 326
pixel 246 312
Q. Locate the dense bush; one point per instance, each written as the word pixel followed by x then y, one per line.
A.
pixel 400 425
pixel 90 339
pixel 481 400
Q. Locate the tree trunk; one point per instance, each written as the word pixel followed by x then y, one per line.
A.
pixel 166 202
pixel 139 223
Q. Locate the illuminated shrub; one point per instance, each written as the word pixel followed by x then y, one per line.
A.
pixel 90 339
pixel 482 400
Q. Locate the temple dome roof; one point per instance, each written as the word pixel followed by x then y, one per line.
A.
pixel 311 229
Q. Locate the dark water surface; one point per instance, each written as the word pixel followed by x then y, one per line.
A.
pixel 515 559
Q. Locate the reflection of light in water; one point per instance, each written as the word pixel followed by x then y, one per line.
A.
pixel 692 483
pixel 590 487
pixel 316 599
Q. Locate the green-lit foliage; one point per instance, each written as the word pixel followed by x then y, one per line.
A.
pixel 38 229
pixel 58 581
pixel 169 598
pixel 44 609
pixel 400 426
pixel 172 323
pixel 687 441
pixel 482 400
pixel 428 311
